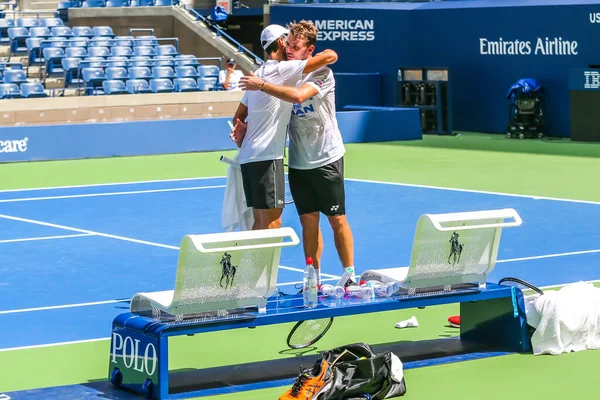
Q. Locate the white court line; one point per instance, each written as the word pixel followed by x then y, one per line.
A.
pixel 72 196
pixel 45 238
pixel 572 253
pixel 110 184
pixel 475 191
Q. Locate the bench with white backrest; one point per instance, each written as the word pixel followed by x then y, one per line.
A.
pixel 220 271
pixel 451 249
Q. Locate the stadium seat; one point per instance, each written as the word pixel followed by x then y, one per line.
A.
pixel 100 41
pixel 70 66
pixel 9 91
pixel 17 37
pixel 117 61
pixel 28 22
pixel 182 60
pixel 117 3
pixel 166 50
pixel 99 52
pixel 141 61
pixel 55 42
pixel 161 85
pixel 93 62
pixel 121 51
pixel 141 3
pixel 16 76
pixel 145 41
pixel 135 86
pixel 34 53
pixel 83 31
pixel 163 3
pixel 163 73
pixel 206 84
pixel 61 31
pixel 186 72
pixel 33 89
pixel 123 41
pixel 140 73
pixel 93 4
pixel 4 25
pixel 114 87
pixel 51 22
pixel 39 32
pixel 53 57
pixel 79 41
pixel 144 51
pixel 208 71
pixel 163 61
pixel 116 74
pixel 93 78
pixel 78 52
pixel 103 31
pixel 185 85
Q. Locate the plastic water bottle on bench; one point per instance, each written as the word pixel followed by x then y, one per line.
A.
pixel 333 291
pixel 362 292
pixel 310 291
pixel 384 289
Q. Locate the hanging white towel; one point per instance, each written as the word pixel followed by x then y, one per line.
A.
pixel 235 214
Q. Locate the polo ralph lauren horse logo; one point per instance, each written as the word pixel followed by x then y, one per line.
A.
pixel 228 271
pixel 455 249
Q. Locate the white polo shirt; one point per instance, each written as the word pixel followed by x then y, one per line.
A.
pixel 268 117
pixel 234 79
pixel 315 139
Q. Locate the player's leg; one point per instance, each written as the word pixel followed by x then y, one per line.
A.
pixel 264 185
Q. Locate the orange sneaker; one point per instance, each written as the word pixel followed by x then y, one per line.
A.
pixel 454 321
pixel 309 384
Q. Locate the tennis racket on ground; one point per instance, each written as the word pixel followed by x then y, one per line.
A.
pixel 519 283
pixel 288 199
pixel 308 332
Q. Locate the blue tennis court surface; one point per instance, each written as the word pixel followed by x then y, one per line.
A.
pixel 70 258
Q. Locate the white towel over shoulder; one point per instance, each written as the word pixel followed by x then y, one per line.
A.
pixel 235 214
pixel 565 320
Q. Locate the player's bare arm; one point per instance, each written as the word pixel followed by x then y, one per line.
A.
pixel 285 93
pixel 239 126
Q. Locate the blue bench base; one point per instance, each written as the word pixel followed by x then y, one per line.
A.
pixel 492 319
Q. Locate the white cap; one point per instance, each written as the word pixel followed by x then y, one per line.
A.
pixel 270 34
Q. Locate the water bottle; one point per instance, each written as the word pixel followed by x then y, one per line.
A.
pixel 362 292
pixel 333 291
pixel 384 289
pixel 309 291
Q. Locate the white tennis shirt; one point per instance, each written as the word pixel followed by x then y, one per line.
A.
pixel 269 117
pixel 315 139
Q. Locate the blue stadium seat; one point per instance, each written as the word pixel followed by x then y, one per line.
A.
pixel 83 31
pixel 135 86
pixel 39 32
pixel 141 61
pixel 163 61
pixel 17 39
pixel 206 84
pixel 186 72
pixel 145 41
pixel 9 91
pixel 117 61
pixel 163 73
pixel 182 60
pixel 100 41
pixel 98 52
pixel 117 3
pixel 93 62
pixel 55 42
pixel 93 78
pixel 140 73
pixel 163 3
pixel 121 51
pixel 185 85
pixel 61 31
pixel 78 52
pixel 15 76
pixel 51 22
pixel 116 74
pixel 208 71
pixel 33 89
pixel 77 41
pixel 34 52
pixel 161 85
pixel 70 66
pixel 144 51
pixel 93 3
pixel 141 3
pixel 123 41
pixel 103 31
pixel 114 87
pixel 166 50
pixel 28 22
pixel 53 57
pixel 4 25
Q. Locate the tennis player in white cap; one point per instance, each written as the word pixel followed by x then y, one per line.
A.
pixel 260 127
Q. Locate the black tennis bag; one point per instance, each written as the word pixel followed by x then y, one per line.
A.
pixel 358 373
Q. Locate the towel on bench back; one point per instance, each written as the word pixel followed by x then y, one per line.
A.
pixel 235 214
pixel 566 320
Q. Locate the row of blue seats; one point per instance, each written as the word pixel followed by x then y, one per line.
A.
pixel 121 73
pixel 16 76
pixel 35 44
pixel 26 90
pixel 30 22
pixel 115 3
pixel 72 41
pixel 138 86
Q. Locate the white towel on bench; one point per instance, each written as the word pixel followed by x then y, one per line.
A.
pixel 236 214
pixel 566 320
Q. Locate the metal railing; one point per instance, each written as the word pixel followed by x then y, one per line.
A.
pixel 55 13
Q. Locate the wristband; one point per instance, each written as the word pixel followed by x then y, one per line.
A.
pixel 263 85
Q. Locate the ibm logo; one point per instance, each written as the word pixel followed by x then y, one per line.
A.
pixel 592 80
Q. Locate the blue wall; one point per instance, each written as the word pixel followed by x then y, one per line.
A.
pixel 59 142
pixel 449 35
